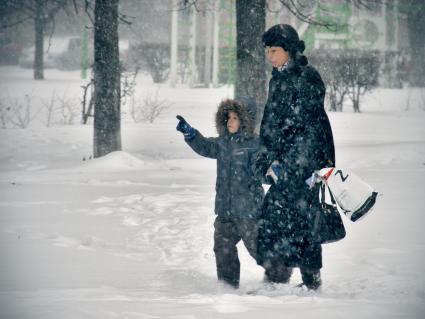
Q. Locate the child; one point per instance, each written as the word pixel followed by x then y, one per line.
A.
pixel 238 194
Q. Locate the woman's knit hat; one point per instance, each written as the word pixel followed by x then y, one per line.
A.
pixel 285 36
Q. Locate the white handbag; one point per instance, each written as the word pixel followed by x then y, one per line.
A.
pixel 355 197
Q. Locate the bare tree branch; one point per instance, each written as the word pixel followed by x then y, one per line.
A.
pixel 74 2
pixel 51 33
pixel 366 4
pixel 186 4
pixel 298 8
pixel 88 8
pixel 126 19
pixel 294 7
pixel 12 24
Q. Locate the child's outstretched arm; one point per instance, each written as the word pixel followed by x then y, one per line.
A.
pixel 203 146
pixel 188 131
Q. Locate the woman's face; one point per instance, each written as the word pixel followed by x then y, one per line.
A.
pixel 233 122
pixel 277 56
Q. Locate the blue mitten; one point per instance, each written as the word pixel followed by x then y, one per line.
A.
pixel 188 131
pixel 277 168
pixel 275 171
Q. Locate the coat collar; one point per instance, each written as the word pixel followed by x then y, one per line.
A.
pixel 239 136
pixel 293 66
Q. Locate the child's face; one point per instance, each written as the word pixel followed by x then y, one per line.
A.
pixel 277 56
pixel 233 122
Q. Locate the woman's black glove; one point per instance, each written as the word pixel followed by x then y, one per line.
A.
pixel 188 131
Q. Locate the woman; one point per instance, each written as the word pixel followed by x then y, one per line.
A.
pixel 295 133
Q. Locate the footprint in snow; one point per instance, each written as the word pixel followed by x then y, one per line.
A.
pixel 102 211
pixel 102 199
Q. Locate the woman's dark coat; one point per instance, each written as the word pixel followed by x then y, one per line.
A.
pixel 295 130
pixel 238 193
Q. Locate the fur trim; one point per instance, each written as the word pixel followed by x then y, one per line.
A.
pixel 247 124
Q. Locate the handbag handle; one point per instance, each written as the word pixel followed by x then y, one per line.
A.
pixel 323 187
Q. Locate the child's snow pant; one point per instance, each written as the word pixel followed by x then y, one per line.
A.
pixel 227 233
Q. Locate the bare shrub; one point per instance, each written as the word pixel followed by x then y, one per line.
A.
pixel 68 109
pixel 149 109
pixel 362 72
pixel 87 102
pixel 20 112
pixel 128 84
pixel 50 107
pixel 408 99
pixel 347 74
pixel 415 98
pixel 61 110
pixel 3 113
pixel 422 96
pixel 332 71
pixel 136 106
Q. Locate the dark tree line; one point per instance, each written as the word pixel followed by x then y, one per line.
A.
pixel 41 13
pixel 250 68
pixel 107 121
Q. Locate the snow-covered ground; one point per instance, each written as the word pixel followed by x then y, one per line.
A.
pixel 130 235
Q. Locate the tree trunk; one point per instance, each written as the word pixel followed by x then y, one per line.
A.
pixel 416 26
pixel 332 99
pixel 174 43
pixel 356 100
pixel 340 102
pixel 39 22
pixel 107 117
pixel 250 56
pixel 208 45
pixel 193 66
pixel 215 43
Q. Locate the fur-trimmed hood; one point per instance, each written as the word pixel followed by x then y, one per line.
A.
pixel 247 120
